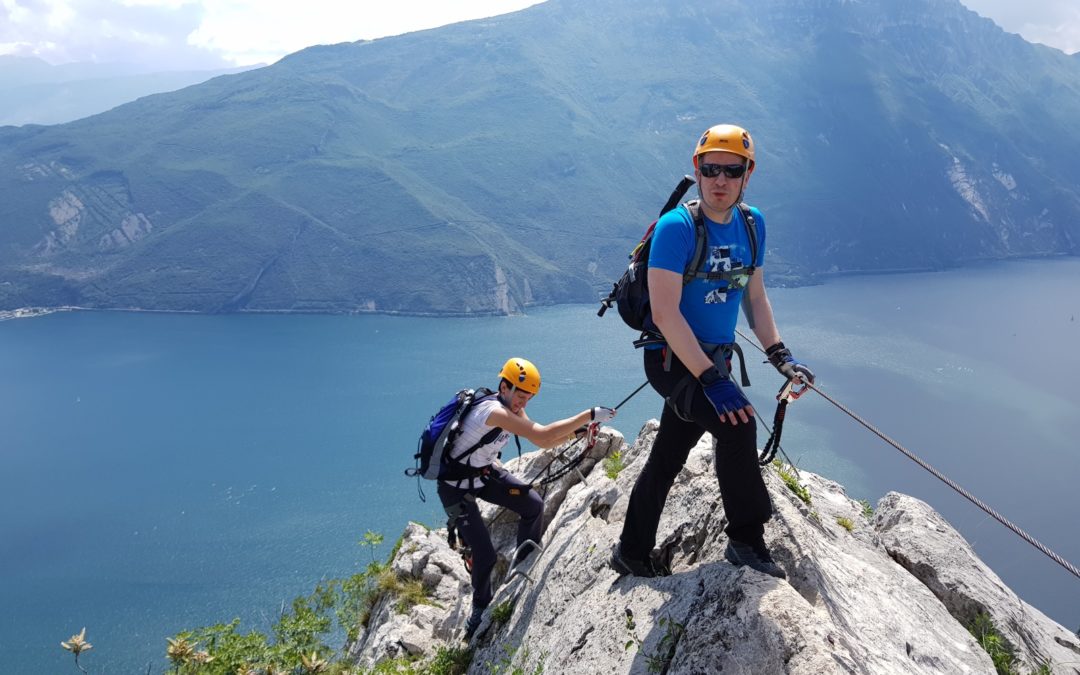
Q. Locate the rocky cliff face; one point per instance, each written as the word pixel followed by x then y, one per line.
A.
pixel 890 591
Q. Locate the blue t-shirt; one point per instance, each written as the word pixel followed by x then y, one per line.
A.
pixel 711 310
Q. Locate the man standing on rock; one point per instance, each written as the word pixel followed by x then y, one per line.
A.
pixel 477 473
pixel 689 362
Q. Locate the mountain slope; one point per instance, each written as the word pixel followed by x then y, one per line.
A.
pixel 496 164
pixel 35 92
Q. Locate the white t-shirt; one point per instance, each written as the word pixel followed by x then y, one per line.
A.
pixel 473 428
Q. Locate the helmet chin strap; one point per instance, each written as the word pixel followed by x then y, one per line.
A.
pixel 728 210
pixel 509 397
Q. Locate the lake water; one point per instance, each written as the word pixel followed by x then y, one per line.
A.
pixel 162 471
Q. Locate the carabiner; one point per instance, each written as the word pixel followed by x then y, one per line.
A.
pixel 591 434
pixel 789 392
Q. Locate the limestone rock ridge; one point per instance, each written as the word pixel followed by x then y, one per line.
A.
pixel 891 591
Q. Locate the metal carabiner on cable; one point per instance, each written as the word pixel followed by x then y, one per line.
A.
pixel 789 392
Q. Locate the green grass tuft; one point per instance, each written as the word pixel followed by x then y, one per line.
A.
pixel 792 482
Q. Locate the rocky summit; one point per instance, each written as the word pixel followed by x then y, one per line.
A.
pixel 892 589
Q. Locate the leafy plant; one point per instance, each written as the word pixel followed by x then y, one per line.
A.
pixel 1001 652
pixel 372 540
pixel 450 661
pixel 179 651
pixel 300 634
pixel 356 598
pixel 402 665
pixel 232 651
pixel 613 464
pixel 845 523
pixel 867 509
pixel 313 664
pixel 502 612
pixel 660 660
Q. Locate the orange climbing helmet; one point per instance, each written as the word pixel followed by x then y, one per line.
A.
pixel 522 374
pixel 726 138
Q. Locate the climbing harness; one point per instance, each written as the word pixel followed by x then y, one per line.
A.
pixel 937 474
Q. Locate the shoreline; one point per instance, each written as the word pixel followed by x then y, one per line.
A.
pixel 818 279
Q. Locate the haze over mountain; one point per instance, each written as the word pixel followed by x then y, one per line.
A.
pixel 495 164
pixel 36 92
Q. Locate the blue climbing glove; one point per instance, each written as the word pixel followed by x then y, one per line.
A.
pixel 781 358
pixel 724 395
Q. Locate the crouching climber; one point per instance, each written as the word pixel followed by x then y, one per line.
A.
pixel 473 471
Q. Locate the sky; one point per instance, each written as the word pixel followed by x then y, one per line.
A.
pixel 204 34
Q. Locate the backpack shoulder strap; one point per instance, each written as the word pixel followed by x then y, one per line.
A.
pixel 481 394
pixel 694 208
pixel 751 233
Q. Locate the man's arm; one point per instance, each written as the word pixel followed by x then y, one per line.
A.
pixel 665 292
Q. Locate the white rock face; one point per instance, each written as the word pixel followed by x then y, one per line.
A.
pixel 424 554
pixel 920 540
pixel 887 595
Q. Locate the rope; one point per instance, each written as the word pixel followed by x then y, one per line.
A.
pixel 937 474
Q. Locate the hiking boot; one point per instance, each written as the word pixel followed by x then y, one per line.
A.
pixel 739 553
pixel 627 565
pixel 474 622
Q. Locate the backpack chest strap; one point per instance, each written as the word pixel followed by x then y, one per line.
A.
pixel 737 278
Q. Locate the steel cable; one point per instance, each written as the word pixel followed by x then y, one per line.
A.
pixel 937 474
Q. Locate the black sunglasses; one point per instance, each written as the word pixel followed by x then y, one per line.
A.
pixel 729 170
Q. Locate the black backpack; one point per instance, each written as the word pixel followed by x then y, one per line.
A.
pixel 630 294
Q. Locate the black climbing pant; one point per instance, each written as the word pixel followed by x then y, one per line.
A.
pixel 503 489
pixel 742 489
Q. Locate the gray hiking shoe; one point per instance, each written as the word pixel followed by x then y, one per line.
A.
pixel 739 553
pixel 627 565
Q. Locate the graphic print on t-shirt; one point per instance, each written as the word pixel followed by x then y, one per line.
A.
pixel 719 261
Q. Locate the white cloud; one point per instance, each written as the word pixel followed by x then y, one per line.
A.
pixel 152 35
pixel 211 33
pixel 246 31
pixel 1055 23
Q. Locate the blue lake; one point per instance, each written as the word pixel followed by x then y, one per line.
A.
pixel 165 471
